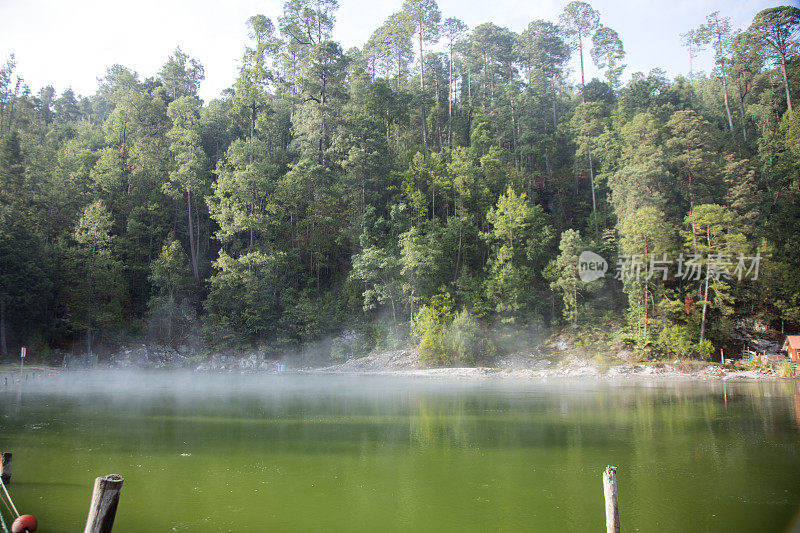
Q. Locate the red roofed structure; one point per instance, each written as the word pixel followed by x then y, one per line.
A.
pixel 792 347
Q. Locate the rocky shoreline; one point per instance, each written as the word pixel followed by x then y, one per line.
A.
pixel 533 365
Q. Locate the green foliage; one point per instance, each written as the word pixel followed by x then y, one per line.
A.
pixel 245 301
pixel 562 273
pixel 431 330
pixel 447 337
pixel 607 53
pixel 705 350
pixel 519 239
pixel 94 296
pixel 171 313
pixel 676 340
pixel 466 337
pixel 349 190
pixel 785 369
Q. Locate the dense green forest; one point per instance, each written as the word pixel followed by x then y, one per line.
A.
pixel 362 199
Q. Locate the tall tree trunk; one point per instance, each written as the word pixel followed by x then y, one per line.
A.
pixel 170 317
pixel 555 116
pixel 705 293
pixel 514 134
pixel 485 75
pixel 691 208
pixel 580 54
pixel 705 307
pixel 725 94
pixel 252 122
pixel 450 103
pixel 438 115
pixel 433 195
pixel 644 325
pixel 741 111
pixel 547 163
pixel 594 201
pixel 786 83
pixel 469 84
pixel 422 88
pixel 575 303
pixel 394 315
pixel 192 246
pixel 411 314
pixel 458 255
pixel 197 232
pixel 3 341
pixel 323 145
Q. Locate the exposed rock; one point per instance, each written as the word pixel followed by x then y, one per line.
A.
pixel 552 361
pixel 524 361
pixel 385 361
pixel 558 343
pixel 755 335
pixel 251 361
pixel 152 356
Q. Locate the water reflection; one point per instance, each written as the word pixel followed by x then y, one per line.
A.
pixel 338 452
pixel 796 403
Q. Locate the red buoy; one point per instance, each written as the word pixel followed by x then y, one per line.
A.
pixel 24 524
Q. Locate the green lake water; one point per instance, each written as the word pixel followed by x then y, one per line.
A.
pixel 348 453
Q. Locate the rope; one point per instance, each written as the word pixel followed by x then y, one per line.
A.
pixel 5 504
pixel 3 524
pixel 8 497
pixel 2 520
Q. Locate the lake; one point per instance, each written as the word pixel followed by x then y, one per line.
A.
pixel 203 452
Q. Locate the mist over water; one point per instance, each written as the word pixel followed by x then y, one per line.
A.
pixel 303 452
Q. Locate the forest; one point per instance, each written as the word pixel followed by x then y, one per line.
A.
pixel 435 187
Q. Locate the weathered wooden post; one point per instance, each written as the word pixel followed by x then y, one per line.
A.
pixel 103 508
pixel 5 467
pixel 612 506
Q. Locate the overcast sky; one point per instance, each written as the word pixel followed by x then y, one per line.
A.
pixel 71 43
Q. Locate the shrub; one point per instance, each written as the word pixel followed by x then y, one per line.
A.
pixel 785 369
pixel 676 341
pixel 705 349
pixel 430 330
pixel 465 336
pixel 444 337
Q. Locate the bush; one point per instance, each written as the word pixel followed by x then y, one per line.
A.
pixel 444 337
pixel 465 336
pixel 676 341
pixel 785 369
pixel 430 330
pixel 705 349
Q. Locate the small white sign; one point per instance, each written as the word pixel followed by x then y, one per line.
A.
pixel 22 353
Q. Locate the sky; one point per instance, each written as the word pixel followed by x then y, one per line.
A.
pixel 72 43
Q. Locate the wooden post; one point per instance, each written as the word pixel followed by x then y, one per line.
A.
pixel 612 506
pixel 103 508
pixel 5 467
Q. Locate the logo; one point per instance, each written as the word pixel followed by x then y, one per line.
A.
pixel 591 266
